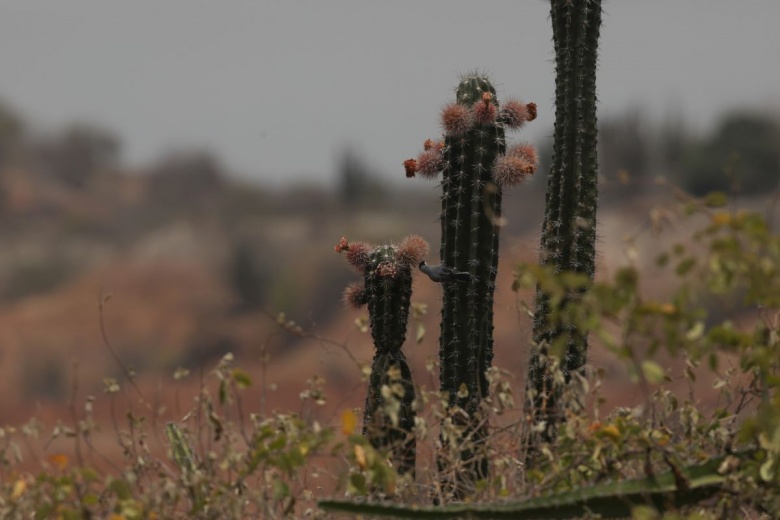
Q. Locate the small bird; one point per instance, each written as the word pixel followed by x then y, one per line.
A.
pixel 443 274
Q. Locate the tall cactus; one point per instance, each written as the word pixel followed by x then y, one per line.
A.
pixel 475 166
pixel 386 289
pixel 569 229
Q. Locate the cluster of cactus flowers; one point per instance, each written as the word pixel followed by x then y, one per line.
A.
pixel 476 166
pixel 386 289
pixel 511 168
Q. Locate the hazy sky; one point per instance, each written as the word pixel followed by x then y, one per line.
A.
pixel 277 89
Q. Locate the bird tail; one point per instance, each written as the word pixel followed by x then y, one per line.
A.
pixel 461 277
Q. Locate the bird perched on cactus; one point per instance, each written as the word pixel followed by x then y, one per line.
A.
pixel 443 274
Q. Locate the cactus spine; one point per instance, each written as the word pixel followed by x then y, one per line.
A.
pixel 475 168
pixel 386 289
pixel 569 228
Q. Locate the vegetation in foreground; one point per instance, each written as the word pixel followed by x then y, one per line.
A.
pixel 563 455
pixel 667 456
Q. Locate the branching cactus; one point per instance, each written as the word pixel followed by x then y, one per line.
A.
pixel 386 289
pixel 568 240
pixel 475 167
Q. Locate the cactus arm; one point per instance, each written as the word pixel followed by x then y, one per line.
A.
pixel 611 500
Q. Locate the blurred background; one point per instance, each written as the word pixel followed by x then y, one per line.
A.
pixel 198 161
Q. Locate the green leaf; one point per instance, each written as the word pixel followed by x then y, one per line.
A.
pixel 222 392
pixel 644 513
pixel 767 470
pixel 715 199
pixel 216 424
pixel 280 489
pixel 44 511
pixel 121 489
pixel 357 484
pixel 685 266
pixel 90 499
pixel 69 514
pixel 182 454
pixel 695 332
pixel 653 372
pixel 241 378
pixel 278 443
pixel 89 475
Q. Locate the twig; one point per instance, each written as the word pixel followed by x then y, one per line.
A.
pixel 74 414
pixel 101 305
pixel 300 333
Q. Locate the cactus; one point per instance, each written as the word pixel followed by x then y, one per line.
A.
pixel 673 489
pixel 386 289
pixel 569 228
pixel 475 166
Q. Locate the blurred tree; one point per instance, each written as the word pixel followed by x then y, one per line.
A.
pixel 624 151
pixel 11 132
pixel 248 278
pixel 79 153
pixel 743 155
pixel 188 179
pixel 673 140
pixel 358 185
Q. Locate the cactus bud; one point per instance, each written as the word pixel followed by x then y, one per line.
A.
pixel 531 107
pixel 343 245
pixel 358 255
pixel 412 250
pixel 432 144
pixel 511 170
pixel 430 163
pixel 485 113
pixel 410 165
pixel 355 295
pixel 456 119
pixel 525 151
pixel 387 270
pixel 514 113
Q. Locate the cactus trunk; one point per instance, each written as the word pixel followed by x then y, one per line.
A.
pixel 388 419
pixel 471 204
pixel 569 229
pixel 475 169
pixel 386 289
